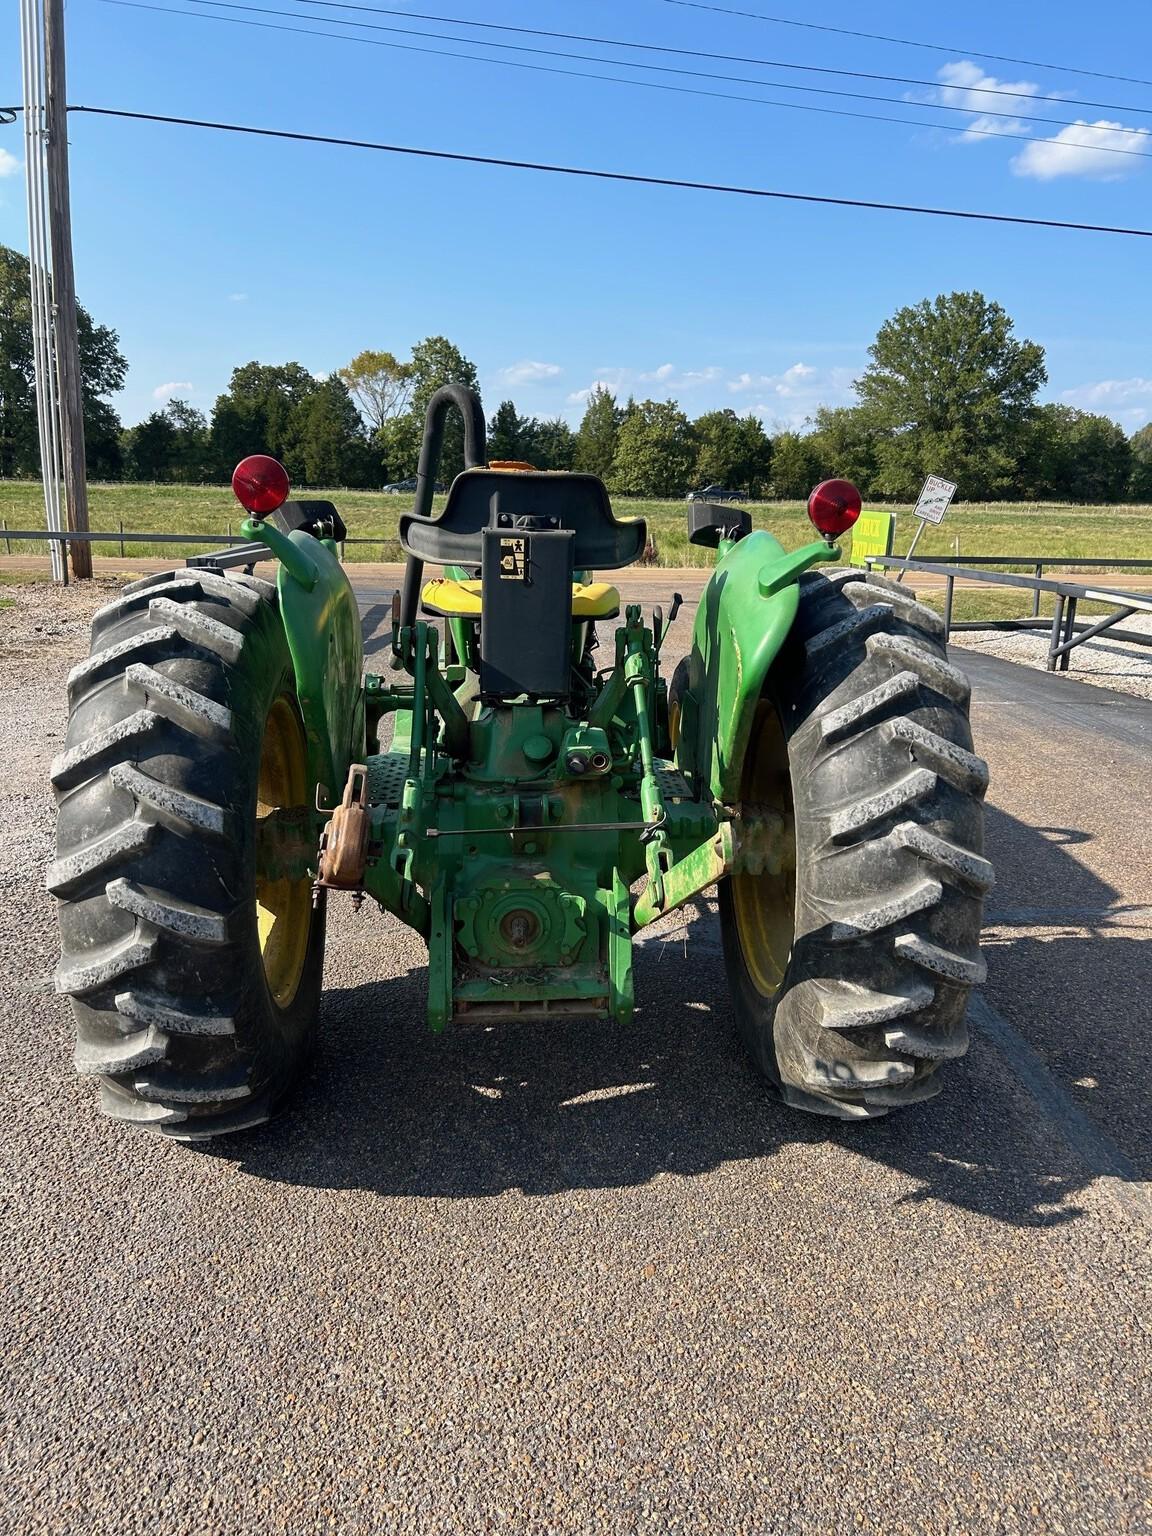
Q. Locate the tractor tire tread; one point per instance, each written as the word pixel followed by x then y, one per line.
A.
pixel 864 621
pixel 933 672
pixel 144 1008
pixel 156 951
pixel 197 627
pixel 863 590
pixel 161 637
pixel 182 706
pixel 87 758
pixel 889 861
pixel 172 807
pixel 100 856
pixel 861 711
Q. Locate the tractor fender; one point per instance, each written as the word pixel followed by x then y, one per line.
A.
pixel 745 614
pixel 322 623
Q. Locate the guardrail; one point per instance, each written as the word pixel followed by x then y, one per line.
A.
pixel 1040 564
pixel 1065 632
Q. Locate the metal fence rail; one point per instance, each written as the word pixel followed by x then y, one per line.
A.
pixel 1040 564
pixel 121 538
pixel 124 537
pixel 1065 632
pixel 231 541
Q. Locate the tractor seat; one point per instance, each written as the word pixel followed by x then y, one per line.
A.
pixel 486 499
pixel 451 599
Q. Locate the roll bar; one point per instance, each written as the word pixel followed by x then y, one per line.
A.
pixel 467 402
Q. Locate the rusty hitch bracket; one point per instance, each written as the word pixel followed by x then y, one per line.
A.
pixel 344 841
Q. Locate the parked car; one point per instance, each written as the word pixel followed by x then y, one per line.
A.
pixel 399 487
pixel 714 493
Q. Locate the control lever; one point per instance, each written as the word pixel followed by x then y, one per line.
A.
pixel 659 628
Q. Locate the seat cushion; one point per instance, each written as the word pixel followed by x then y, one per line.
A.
pixel 450 599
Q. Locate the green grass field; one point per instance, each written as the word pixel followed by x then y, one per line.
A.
pixel 994 528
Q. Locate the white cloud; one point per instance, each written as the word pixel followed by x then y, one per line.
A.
pixel 677 380
pixel 9 165
pixel 672 381
pixel 177 388
pixel 1079 149
pixel 611 379
pixel 528 372
pixel 1128 401
pixel 785 384
pixel 966 85
pixel 237 298
pixel 1084 149
pixel 580 396
pixel 787 399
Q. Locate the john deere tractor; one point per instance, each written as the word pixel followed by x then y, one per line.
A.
pixel 543 797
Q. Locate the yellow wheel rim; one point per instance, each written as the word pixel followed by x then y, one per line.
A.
pixel 765 904
pixel 283 906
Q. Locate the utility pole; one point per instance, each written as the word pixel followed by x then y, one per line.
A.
pixel 40 314
pixel 70 393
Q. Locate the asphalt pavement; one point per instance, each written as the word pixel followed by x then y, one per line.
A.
pixel 568 1278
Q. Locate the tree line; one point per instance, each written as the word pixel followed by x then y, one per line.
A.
pixel 949 389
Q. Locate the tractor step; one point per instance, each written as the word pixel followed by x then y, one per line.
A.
pixel 507 1010
pixel 482 994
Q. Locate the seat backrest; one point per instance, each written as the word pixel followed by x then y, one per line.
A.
pixel 492 498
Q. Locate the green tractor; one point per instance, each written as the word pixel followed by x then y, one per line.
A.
pixel 533 811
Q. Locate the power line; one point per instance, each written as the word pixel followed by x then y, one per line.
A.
pixel 697 53
pixel 644 85
pixel 598 175
pixel 665 69
pixel 903 42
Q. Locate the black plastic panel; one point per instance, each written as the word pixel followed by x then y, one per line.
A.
pixel 711 521
pixel 526 627
pixel 317 517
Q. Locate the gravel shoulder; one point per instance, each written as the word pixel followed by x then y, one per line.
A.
pixel 1104 662
pixel 579 1280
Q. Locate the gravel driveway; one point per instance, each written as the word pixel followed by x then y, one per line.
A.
pixel 573 1279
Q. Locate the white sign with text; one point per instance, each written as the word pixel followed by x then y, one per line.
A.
pixel 935 499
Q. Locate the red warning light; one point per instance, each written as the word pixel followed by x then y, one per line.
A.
pixel 834 506
pixel 260 484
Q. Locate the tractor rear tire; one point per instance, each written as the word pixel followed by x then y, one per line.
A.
pixel 850 962
pixel 193 964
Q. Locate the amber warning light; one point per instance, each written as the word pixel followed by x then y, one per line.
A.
pixel 834 506
pixel 260 484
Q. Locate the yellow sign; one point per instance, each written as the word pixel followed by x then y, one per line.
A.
pixel 872 535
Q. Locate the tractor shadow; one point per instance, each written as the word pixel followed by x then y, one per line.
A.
pixel 581 1104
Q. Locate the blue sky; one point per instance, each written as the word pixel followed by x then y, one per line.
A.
pixel 206 250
